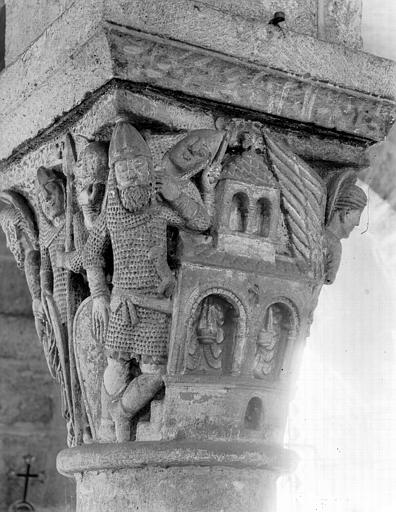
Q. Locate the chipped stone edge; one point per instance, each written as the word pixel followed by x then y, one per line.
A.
pixel 164 454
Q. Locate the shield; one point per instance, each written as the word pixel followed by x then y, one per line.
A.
pixel 90 362
pixel 58 352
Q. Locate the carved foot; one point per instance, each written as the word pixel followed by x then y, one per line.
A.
pixel 106 433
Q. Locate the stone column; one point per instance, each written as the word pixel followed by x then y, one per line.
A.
pixel 253 133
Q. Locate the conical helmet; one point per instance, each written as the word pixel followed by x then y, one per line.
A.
pixel 92 165
pixel 126 142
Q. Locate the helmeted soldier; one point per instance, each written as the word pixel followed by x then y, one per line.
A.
pixel 90 177
pixel 56 289
pixel 134 324
pixel 19 225
pixel 200 150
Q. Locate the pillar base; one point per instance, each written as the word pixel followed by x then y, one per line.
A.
pixel 176 476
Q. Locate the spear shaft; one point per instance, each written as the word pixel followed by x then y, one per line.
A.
pixel 69 161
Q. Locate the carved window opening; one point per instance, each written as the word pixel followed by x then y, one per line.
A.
pixel 213 338
pixel 263 217
pixel 276 333
pixel 253 414
pixel 239 212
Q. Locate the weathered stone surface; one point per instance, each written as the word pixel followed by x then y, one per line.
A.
pixel 14 299
pixel 148 60
pixel 255 42
pixel 26 21
pixel 196 489
pixel 301 16
pixel 340 21
pixel 232 476
pixel 18 338
pixel 23 399
pixel 63 60
pixel 380 174
pixel 52 492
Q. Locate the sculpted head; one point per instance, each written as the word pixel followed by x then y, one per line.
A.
pixel 51 191
pixel 90 180
pixel 347 209
pixel 190 155
pixel 130 157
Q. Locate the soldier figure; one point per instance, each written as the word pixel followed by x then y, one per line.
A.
pixel 54 285
pixel 90 176
pixel 18 223
pixel 134 324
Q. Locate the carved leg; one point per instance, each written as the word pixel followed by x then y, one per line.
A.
pixel 138 393
pixel 106 429
pixel 115 380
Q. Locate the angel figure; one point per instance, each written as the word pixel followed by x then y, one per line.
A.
pixel 345 204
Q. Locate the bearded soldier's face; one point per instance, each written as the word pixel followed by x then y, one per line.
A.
pixel 133 182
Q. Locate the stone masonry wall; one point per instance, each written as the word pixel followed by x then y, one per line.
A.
pixel 30 420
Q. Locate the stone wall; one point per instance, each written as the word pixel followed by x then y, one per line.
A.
pixel 331 20
pixel 30 420
pixel 27 20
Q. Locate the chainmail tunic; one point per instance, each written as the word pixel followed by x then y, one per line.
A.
pixel 139 252
pixel 54 278
pixel 50 272
pixel 139 245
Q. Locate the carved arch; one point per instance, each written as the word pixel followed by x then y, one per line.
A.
pixel 238 217
pixel 194 303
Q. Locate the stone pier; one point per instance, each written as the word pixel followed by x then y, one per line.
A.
pixel 176 179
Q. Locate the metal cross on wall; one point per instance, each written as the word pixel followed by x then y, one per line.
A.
pixel 24 505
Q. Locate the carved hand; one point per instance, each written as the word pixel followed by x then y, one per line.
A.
pixel 100 317
pixel 167 186
pixel 210 177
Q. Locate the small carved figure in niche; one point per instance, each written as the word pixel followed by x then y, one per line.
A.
pixel 239 213
pixel 345 204
pixel 211 345
pixel 90 176
pixel 272 340
pixel 19 225
pixel 134 324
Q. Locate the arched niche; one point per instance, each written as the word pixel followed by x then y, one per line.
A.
pixel 263 217
pixel 253 414
pixel 216 333
pixel 278 331
pixel 239 211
